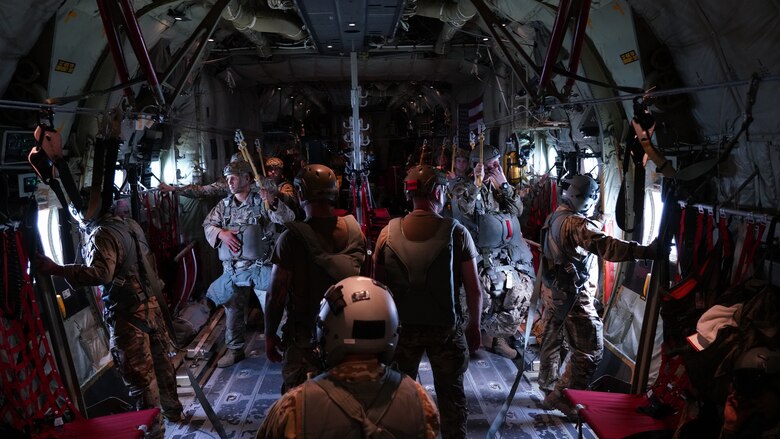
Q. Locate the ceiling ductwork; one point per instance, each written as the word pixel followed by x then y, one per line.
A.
pixel 266 21
pixel 454 16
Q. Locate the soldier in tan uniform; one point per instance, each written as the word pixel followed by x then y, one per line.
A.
pixel 241 227
pixel 308 257
pixel 490 212
pixel 421 256
pixel 357 331
pixel 570 240
pixel 139 339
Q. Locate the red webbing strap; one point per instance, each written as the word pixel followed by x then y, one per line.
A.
pixel 697 239
pixel 710 229
pixel 725 237
pixel 30 381
pixel 752 240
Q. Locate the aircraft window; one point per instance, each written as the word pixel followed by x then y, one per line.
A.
pixel 155 168
pixel 49 230
pixel 552 155
pixel 652 218
pixel 589 165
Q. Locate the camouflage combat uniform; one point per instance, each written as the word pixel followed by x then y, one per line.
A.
pixel 248 269
pixel 218 189
pixel 420 272
pixel 288 416
pixel 570 239
pixel 139 339
pixel 505 268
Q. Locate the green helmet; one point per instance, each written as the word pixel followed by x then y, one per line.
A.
pixel 421 180
pixel 488 152
pixel 317 183
pixel 237 168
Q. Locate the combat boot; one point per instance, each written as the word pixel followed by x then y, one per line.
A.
pixel 231 357
pixel 501 347
pixel 556 401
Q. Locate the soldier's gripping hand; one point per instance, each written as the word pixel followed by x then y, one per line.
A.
pixel 479 172
pixel 44 265
pixel 273 348
pixel 647 252
pixel 166 188
pixel 228 238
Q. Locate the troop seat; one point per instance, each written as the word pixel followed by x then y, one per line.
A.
pixel 130 425
pixel 615 415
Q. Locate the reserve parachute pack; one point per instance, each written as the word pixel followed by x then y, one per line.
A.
pixel 255 245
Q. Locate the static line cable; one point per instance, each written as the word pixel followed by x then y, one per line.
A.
pixel 670 92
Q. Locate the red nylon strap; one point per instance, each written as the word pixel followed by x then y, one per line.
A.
pixel 508 229
pixel 31 384
pixel 725 237
pixel 697 239
pixel 747 244
pixel 752 240
pixel 677 275
pixel 710 229
pixel 6 252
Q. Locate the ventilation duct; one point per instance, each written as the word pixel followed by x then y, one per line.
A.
pixel 275 22
pixel 454 16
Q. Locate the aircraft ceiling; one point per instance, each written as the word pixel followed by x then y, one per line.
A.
pixel 409 46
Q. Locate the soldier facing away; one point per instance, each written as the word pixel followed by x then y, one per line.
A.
pixel 420 256
pixel 358 395
pixel 309 256
pixel 570 238
pixel 115 252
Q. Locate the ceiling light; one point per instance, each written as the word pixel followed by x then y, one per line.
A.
pixel 211 40
pixel 352 24
pixel 329 46
pixel 485 39
pixel 178 14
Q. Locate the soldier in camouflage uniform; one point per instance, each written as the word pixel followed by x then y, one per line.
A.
pixel 139 339
pixel 274 168
pixel 421 256
pixel 241 227
pixel 355 355
pixel 490 212
pixel 570 240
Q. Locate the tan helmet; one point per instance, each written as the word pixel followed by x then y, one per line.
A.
pixel 357 316
pixel 488 152
pixel 422 179
pixel 274 162
pixel 316 183
pixel 237 168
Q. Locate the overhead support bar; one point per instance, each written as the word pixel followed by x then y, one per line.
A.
pixel 520 72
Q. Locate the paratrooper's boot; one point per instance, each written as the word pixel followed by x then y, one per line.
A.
pixel 231 357
pixel 502 347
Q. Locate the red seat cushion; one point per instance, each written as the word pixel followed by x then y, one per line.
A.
pixel 614 415
pixel 120 426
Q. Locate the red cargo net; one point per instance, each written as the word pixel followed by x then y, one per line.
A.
pixel 32 389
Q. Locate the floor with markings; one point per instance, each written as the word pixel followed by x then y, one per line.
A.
pixel 241 394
